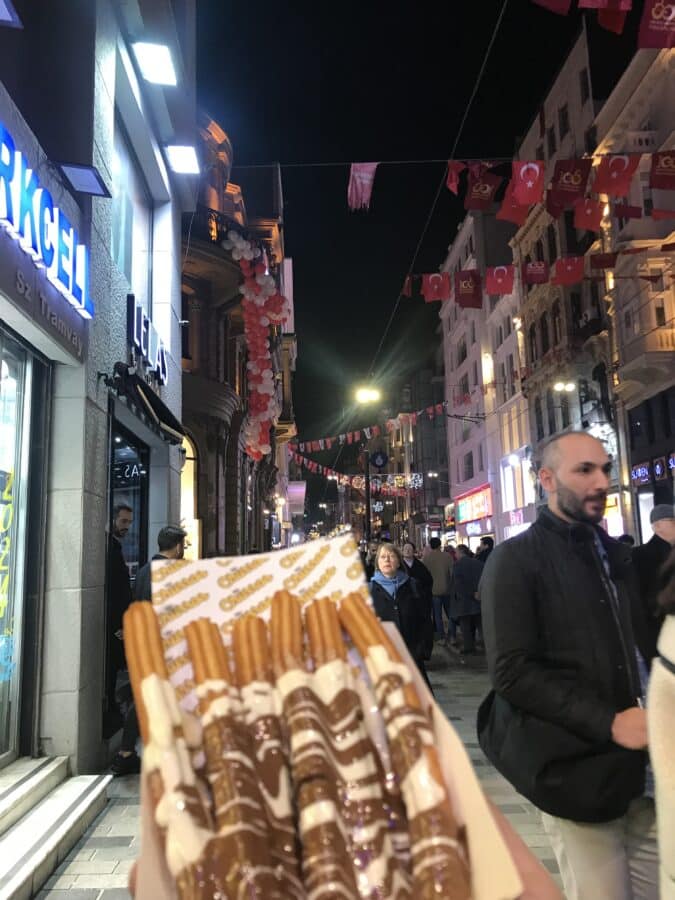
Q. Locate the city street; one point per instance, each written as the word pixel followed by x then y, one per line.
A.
pixel 98 866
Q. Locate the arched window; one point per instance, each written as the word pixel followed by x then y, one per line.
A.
pixel 539 419
pixel 557 323
pixel 550 412
pixel 189 500
pixel 543 330
pixel 533 342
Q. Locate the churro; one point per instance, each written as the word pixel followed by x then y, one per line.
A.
pixel 238 862
pixel 439 860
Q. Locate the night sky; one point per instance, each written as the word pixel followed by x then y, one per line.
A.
pixel 304 83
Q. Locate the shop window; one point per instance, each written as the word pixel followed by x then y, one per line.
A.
pixel 557 323
pixel 131 242
pixel 468 466
pixel 539 419
pixel 129 488
pixel 544 332
pixel 189 500
pixel 563 121
pixel 550 412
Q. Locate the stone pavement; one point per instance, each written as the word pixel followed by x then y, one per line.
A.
pixel 98 866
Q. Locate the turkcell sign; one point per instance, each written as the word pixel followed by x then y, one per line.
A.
pixel 145 338
pixel 43 230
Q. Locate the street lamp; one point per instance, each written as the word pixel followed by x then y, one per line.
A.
pixel 566 386
pixel 365 395
pixel 432 474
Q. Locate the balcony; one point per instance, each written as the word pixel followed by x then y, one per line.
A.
pixel 640 142
pixel 582 332
pixel 647 361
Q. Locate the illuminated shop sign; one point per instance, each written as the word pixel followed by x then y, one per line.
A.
pixel 144 337
pixel 660 470
pixel 641 473
pixel 42 230
pixel 476 505
pixel 671 462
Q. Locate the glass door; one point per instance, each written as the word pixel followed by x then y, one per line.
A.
pixel 15 392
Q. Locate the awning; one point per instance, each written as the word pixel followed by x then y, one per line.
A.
pixel 155 409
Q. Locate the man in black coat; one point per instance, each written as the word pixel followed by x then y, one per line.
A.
pixel 648 560
pixel 565 723
pixel 118 598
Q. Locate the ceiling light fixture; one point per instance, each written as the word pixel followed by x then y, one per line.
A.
pixel 155 63
pixel 84 179
pixel 183 159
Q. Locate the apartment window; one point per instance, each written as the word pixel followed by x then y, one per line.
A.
pixel 461 352
pixel 584 86
pixel 539 251
pixel 552 243
pixel 501 387
pixel 627 322
pixel 511 376
pixel 539 419
pixel 657 283
pixel 473 332
pixel 563 121
pixel 500 336
pixel 647 199
pixel 557 323
pixel 464 385
pixel 533 342
pixel 660 311
pixel 468 465
pixel 507 326
pixel 543 330
pixel 475 374
pixel 595 301
pixel 550 141
pixel 131 239
pixel 540 151
pixel 481 465
pixel 565 410
pixel 550 412
pixel 471 250
pixel 591 139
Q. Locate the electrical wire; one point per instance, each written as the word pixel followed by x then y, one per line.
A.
pixel 458 136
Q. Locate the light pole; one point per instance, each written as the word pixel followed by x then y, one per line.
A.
pixel 365 396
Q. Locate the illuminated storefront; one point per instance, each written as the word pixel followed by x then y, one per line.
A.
pixel 517 499
pixel 473 516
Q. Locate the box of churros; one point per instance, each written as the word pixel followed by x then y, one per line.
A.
pixel 291 749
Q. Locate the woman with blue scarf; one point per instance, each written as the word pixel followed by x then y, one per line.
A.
pixel 397 598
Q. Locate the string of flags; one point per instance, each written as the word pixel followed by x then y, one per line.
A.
pixel 657 25
pixel 353 437
pixel 387 485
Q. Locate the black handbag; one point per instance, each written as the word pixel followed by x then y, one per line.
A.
pixel 559 772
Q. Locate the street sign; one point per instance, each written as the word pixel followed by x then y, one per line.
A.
pixel 379 459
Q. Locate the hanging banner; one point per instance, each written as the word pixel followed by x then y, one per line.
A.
pixel 499 280
pixel 657 26
pixel 455 169
pixel 361 178
pixel 535 272
pixel 511 210
pixel 468 289
pixel 588 214
pixel 527 181
pixel 481 191
pixel 614 174
pixel 567 271
pixel 569 181
pixel 436 287
pixel 662 174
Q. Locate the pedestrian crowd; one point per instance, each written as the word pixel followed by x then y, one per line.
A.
pixel 578 631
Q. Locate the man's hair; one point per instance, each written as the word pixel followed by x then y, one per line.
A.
pixel 435 543
pixel 627 539
pixel 409 542
pixel 463 549
pixel 118 507
pixel 550 451
pixel 170 536
pixel 488 541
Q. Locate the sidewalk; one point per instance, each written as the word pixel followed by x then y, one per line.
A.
pixel 98 866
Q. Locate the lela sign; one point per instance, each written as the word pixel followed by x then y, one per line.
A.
pixel 43 230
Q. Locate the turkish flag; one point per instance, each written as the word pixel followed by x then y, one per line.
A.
pixel 535 272
pixel 616 5
pixel 511 210
pixel 568 270
pixel 361 178
pixel 624 211
pixel 455 168
pixel 657 26
pixel 662 174
pixel 569 181
pixel 436 287
pixel 407 287
pixel 603 260
pixel 499 279
pixel 588 214
pixel 562 7
pixel 615 173
pixel 612 20
pixel 468 289
pixel 481 191
pixel 660 214
pixel 527 181
pixel 553 206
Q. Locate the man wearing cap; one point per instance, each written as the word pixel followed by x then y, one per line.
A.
pixel 648 560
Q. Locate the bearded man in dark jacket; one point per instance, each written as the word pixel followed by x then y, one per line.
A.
pixel 565 723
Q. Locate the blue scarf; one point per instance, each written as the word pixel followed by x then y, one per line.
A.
pixel 391 585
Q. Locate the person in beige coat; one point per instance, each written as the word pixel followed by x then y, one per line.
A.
pixel 661 723
pixel 440 565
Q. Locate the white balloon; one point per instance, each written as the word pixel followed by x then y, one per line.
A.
pixel 248 254
pixel 257 252
pixel 227 244
pixel 232 235
pixel 236 254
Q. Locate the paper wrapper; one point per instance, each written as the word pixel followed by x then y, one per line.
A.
pixel 222 590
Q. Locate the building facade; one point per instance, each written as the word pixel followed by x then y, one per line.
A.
pixel 90 305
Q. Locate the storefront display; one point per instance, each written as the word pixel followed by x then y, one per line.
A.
pixel 473 516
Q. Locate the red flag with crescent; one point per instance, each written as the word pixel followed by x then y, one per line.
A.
pixel 527 181
pixel 657 26
pixel 361 178
pixel 481 190
pixel 511 210
pixel 407 286
pixel 624 211
pixel 455 168
pixel 588 214
pixel 662 174
pixel 468 289
pixel 499 279
pixel 436 287
pixel 562 7
pixel 535 272
pixel 568 270
pixel 569 181
pixel 615 173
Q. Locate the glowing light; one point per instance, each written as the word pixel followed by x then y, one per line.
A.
pixel 155 63
pixel 367 395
